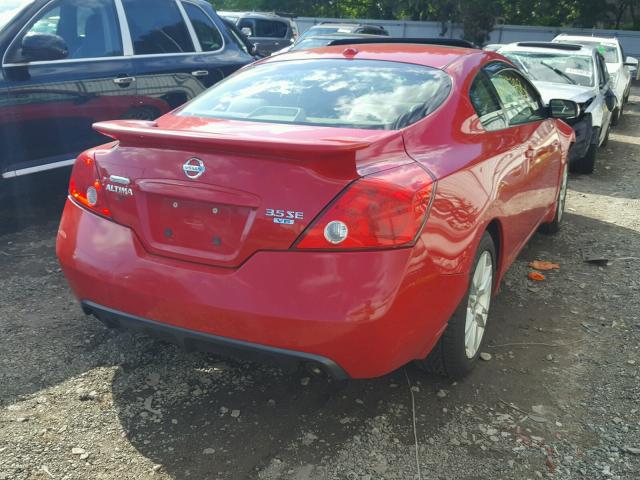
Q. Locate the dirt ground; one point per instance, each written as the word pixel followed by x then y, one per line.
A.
pixel 559 398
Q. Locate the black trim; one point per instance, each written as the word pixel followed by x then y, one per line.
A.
pixel 447 42
pixel 557 46
pixel 191 340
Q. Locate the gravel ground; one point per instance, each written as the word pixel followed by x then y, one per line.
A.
pixel 558 396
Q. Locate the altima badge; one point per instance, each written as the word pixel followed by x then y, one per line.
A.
pixel 193 168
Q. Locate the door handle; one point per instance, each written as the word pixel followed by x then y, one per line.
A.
pixel 124 80
pixel 200 73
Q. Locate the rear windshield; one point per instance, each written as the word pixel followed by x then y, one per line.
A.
pixel 368 94
pixel 554 67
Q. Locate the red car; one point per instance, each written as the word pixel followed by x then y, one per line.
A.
pixel 351 207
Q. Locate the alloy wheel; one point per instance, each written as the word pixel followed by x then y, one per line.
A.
pixel 478 304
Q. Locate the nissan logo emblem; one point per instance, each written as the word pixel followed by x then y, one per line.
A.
pixel 193 168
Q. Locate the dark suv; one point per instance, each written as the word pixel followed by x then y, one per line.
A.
pixel 269 32
pixel 69 63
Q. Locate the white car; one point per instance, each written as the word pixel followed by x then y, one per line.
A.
pixel 577 73
pixel 617 64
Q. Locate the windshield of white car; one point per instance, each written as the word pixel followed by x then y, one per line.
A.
pixel 555 67
pixel 368 94
pixel 313 42
pixel 609 52
pixel 9 9
pixel 322 31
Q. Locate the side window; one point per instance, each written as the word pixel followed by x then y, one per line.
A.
pixel 88 29
pixel 270 29
pixel 247 23
pixel 486 104
pixel 157 26
pixel 518 97
pixel 206 31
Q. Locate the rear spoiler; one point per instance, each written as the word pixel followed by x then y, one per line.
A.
pixel 325 154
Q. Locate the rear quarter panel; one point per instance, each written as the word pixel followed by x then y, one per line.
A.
pixel 477 175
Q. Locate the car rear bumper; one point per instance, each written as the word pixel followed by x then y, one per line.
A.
pixel 191 340
pixel 357 314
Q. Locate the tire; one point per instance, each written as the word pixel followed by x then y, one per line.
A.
pixel 605 142
pixel 450 357
pixel 587 163
pixel 615 116
pixel 554 226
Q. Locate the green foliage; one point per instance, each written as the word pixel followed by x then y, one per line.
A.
pixel 477 16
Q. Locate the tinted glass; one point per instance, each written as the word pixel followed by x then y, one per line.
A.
pixel 9 9
pixel 207 33
pixel 518 98
pixel 247 23
pixel 157 27
pixel 89 29
pixel 486 104
pixel 554 67
pixel 333 93
pixel 235 36
pixel 270 29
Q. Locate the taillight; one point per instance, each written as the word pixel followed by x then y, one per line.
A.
pixel 383 210
pixel 85 186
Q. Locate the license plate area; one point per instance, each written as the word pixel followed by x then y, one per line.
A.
pixel 206 229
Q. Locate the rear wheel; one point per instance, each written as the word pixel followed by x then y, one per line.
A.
pixel 457 351
pixel 554 226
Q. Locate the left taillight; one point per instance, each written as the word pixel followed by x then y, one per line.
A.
pixel 85 186
pixel 384 210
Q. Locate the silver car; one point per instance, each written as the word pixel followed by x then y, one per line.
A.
pixel 577 73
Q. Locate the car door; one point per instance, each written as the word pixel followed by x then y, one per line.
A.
pixel 52 100
pixel 164 58
pixel 605 88
pixel 267 35
pixel 216 59
pixel 537 156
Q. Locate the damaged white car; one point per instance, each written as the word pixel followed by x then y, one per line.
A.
pixel 577 73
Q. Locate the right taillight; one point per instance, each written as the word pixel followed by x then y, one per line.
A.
pixel 383 210
pixel 85 186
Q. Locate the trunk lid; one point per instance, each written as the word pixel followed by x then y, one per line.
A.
pixel 215 192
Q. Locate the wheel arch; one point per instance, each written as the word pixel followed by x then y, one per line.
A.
pixel 494 228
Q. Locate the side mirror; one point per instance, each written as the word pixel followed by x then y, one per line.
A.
pixel 43 46
pixel 631 62
pixel 247 31
pixel 611 100
pixel 564 109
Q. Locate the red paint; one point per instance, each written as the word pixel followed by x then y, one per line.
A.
pixel 370 310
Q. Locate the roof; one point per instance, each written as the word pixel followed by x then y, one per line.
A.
pixel 546 47
pixel 428 55
pixel 263 15
pixel 342 35
pixel 346 24
pixel 586 38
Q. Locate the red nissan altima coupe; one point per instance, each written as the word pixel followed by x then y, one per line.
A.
pixel 352 207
